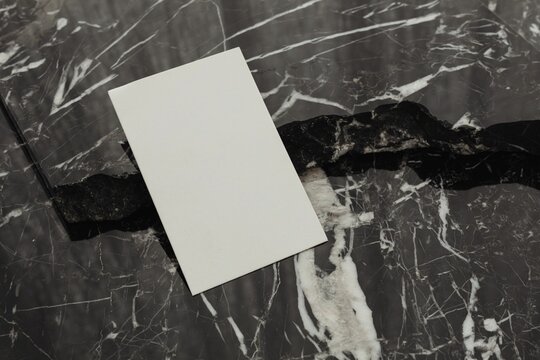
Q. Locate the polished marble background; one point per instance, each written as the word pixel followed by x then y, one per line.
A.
pixel 522 16
pixel 119 296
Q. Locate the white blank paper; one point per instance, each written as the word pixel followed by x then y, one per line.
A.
pixel 223 185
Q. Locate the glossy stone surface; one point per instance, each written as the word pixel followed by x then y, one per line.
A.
pixel 522 16
pixel 414 269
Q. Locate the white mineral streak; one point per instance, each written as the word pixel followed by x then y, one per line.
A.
pixel 491 325
pixel 61 23
pixel 396 24
pixel 468 323
pixel 410 191
pixel 239 335
pixel 444 213
pixel 466 120
pixel 66 85
pixel 535 30
pixel 11 215
pixel 344 320
pixel 27 67
pixel 296 96
pixel 214 314
pixel 399 93
pixel 488 347
pixel 8 53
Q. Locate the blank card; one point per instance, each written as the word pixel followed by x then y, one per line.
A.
pixel 221 180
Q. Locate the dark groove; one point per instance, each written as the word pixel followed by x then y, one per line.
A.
pixel 391 137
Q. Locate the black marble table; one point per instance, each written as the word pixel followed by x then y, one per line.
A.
pixel 414 126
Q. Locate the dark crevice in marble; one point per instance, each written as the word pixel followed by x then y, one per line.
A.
pixel 391 137
pixel 103 203
pixel 449 171
pixel 406 133
pixel 103 198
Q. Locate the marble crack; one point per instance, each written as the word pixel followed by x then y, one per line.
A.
pixel 65 304
pixel 121 59
pixel 296 96
pixel 66 163
pixel 26 336
pixel 336 299
pixel 264 22
pixel 399 23
pixel 399 93
pixel 444 213
pixel 129 29
pixel 239 335
pixel 56 107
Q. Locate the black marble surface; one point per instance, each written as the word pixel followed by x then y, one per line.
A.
pixel 523 16
pixel 416 268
